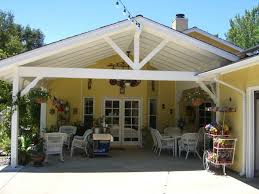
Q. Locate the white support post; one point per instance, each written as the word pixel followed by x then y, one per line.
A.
pixel 153 53
pixel 206 89
pixel 120 52
pixel 136 46
pixel 15 122
pixel 43 116
pixel 30 86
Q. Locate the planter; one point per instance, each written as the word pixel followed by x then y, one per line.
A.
pixel 23 158
pixel 40 100
pixel 37 158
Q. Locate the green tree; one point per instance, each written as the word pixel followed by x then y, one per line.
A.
pixel 244 30
pixel 15 38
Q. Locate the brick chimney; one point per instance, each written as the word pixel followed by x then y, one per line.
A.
pixel 180 23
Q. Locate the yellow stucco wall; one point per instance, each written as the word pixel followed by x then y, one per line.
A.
pixel 241 79
pixel 212 42
pixel 74 91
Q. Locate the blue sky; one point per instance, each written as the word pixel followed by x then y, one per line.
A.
pixel 62 18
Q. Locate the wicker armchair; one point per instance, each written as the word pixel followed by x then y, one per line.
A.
pixel 81 142
pixel 54 144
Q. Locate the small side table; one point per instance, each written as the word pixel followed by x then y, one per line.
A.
pixel 101 143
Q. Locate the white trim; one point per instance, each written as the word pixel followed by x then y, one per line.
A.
pixel 43 116
pixel 214 38
pixel 209 92
pixel 50 72
pixel 30 86
pixel 136 46
pixel 153 53
pixel 250 146
pixel 232 67
pixel 121 117
pixel 15 122
pixel 117 49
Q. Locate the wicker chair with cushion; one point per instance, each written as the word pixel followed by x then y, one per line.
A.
pixel 81 142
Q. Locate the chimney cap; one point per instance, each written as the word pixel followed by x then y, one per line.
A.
pixel 180 15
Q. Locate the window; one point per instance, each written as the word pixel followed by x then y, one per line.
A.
pixel 152 113
pixel 88 112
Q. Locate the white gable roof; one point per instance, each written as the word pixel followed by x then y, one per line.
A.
pixel 182 53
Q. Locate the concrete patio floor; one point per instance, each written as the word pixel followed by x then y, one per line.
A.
pixel 126 171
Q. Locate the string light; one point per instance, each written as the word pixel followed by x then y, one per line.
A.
pixel 127 12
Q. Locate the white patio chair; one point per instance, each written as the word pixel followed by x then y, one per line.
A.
pixel 54 144
pixel 188 143
pixel 154 147
pixel 81 142
pixel 70 131
pixel 164 143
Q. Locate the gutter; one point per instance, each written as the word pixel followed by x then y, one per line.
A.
pixel 242 173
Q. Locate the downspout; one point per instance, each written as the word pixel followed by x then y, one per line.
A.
pixel 242 173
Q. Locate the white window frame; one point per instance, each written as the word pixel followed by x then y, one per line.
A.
pixel 250 134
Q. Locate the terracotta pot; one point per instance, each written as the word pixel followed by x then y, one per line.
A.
pixel 37 159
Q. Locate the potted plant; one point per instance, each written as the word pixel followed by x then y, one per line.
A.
pixel 39 95
pixel 24 146
pixel 37 154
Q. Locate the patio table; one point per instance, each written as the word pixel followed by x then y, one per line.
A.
pixel 176 139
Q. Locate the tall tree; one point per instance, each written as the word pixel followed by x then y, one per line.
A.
pixel 244 30
pixel 15 38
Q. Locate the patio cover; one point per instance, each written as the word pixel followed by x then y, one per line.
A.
pixel 175 56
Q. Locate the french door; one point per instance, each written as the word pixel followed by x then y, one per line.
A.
pixel 123 117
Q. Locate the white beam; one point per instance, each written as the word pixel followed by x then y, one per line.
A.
pixel 119 51
pixel 15 122
pixel 136 46
pixel 50 72
pixel 43 116
pixel 30 86
pixel 152 53
pixel 206 89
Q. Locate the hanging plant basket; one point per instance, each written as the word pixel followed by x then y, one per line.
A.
pixel 113 82
pixel 39 95
pixel 40 100
pixel 197 101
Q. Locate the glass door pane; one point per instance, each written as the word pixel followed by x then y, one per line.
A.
pixel 131 122
pixel 112 118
